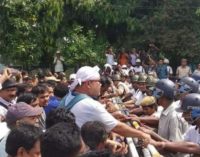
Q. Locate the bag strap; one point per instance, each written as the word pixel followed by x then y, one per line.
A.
pixel 73 102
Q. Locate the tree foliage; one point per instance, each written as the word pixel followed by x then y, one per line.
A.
pixel 32 30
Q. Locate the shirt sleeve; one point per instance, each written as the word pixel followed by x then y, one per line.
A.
pixel 100 114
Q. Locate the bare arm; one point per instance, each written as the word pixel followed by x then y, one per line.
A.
pixel 126 131
pixel 183 147
pixel 149 120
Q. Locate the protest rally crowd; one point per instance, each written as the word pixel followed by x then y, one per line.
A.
pixel 92 112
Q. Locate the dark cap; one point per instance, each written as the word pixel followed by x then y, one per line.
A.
pixel 9 83
pixel 21 110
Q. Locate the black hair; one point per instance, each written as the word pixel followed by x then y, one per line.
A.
pixel 51 83
pixel 21 88
pixel 61 140
pixel 61 90
pixel 93 133
pixel 59 115
pixel 23 136
pixel 27 98
pixel 105 81
pixel 102 153
pixel 40 89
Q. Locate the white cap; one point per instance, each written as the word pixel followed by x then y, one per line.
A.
pixel 138 60
pixel 72 77
pixel 108 65
pixel 166 61
pixel 85 73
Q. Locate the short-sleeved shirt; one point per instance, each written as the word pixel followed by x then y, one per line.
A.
pixel 183 71
pixel 169 126
pixel 89 109
pixel 192 135
pixel 138 69
pixel 110 59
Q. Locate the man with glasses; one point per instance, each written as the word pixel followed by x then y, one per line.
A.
pixel 81 102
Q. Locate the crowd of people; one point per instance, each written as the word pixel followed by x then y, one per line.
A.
pixel 92 112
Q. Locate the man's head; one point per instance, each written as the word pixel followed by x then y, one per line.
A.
pixel 59 115
pixel 183 62
pixel 29 98
pixel 21 113
pixel 87 81
pixel 42 92
pixel 9 89
pixel 138 61
pixel 149 105
pixel 134 81
pixel 62 139
pixel 190 106
pixel 61 90
pixel 116 79
pixel 161 61
pixel 94 135
pixel 164 91
pixel 24 141
pixel 105 84
pixel 142 82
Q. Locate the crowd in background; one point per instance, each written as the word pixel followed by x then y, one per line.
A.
pixel 53 115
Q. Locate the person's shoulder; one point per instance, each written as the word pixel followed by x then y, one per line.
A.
pixel 89 101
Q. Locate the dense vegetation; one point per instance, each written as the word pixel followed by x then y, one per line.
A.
pixel 32 30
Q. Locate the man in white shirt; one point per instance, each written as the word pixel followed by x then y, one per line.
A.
pixel 183 70
pixel 138 68
pixel 58 61
pixel 87 85
pixel 169 123
pixel 110 56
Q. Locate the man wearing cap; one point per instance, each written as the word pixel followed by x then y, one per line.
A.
pixel 138 68
pixel 149 106
pixel 81 102
pixel 120 88
pixel 107 71
pixel 190 106
pixel 151 110
pixel 170 126
pixel 7 95
pixel 20 113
